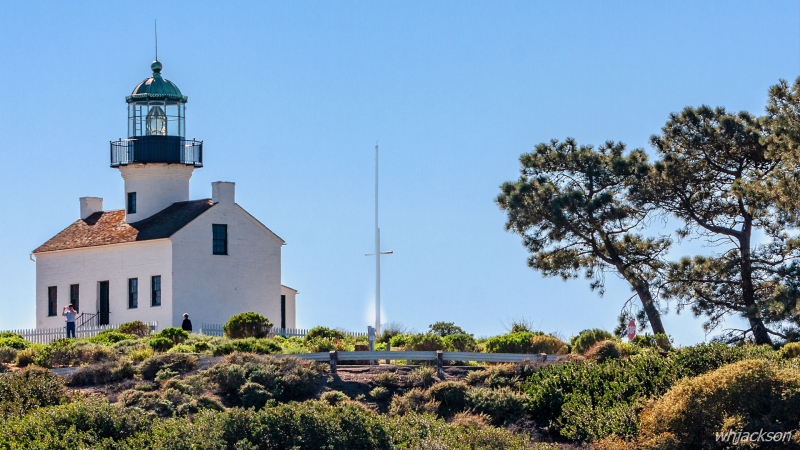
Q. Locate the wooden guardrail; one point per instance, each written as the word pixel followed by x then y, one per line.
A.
pixel 334 357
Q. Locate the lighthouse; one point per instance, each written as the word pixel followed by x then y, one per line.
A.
pixel 163 255
pixel 156 160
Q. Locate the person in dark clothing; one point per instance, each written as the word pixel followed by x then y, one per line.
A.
pixel 187 324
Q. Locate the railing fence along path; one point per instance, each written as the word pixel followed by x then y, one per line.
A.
pixel 48 335
pixel 334 357
pixel 215 329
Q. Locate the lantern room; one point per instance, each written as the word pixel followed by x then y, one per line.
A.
pixel 156 126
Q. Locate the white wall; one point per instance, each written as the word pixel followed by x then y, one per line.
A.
pixel 212 288
pixel 291 307
pixel 112 263
pixel 156 185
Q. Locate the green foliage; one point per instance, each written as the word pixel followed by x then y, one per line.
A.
pixel 253 395
pixel 27 389
pixel 101 373
pixel 136 328
pixel 110 336
pixel 380 393
pixel 503 405
pixel 422 376
pixel 175 334
pixel 584 400
pixel 460 342
pixel 790 350
pixel 386 379
pixel 8 354
pixel 160 343
pixel 390 330
pixel 451 396
pixel 413 400
pixel 177 362
pixel 659 341
pixel 13 340
pixel 445 329
pixel 247 324
pixel 334 397
pixel 324 332
pixel 571 207
pixel 550 345
pixel 425 342
pixel 754 395
pixel 249 345
pixel 399 340
pixel 65 352
pixel 519 342
pixel 587 338
pixel 182 348
pixel 326 344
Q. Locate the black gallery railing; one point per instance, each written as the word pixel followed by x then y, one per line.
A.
pixel 157 149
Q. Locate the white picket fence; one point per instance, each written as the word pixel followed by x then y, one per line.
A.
pixel 48 335
pixel 215 329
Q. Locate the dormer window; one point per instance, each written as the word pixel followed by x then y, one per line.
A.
pixel 131 202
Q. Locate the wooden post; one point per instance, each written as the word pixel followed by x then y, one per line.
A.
pixel 334 360
pixel 439 371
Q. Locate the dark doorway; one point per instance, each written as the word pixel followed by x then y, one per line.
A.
pixel 103 318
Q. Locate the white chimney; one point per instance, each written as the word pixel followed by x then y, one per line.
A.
pixel 223 192
pixel 90 205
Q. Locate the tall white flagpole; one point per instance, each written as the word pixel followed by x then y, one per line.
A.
pixel 377 254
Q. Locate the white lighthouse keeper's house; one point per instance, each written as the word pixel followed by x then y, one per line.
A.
pixel 163 255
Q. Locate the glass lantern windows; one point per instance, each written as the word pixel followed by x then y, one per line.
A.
pixel 156 118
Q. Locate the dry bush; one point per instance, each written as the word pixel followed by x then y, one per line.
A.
pixel 422 376
pixel 790 350
pixel 603 350
pixel 415 400
pixel 750 395
pixel 550 345
pixel 471 420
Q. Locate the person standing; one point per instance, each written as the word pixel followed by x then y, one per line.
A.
pixel 70 314
pixel 187 324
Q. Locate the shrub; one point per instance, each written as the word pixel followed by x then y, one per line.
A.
pixel 253 395
pixel 25 357
pixel 425 342
pixel 324 332
pixel 503 405
pixel 422 376
pixel 178 362
pixel 202 346
pixel 160 343
pixel 8 354
pixel 248 324
pixel 176 335
pixel 333 397
pixel 182 348
pixel 110 336
pixel 517 342
pixel 548 344
pixel 451 395
pixel 587 338
pixel 380 393
pixel 13 340
pixel 461 342
pixel 101 373
pixel 414 400
pixel 399 340
pixel 228 377
pixel 247 345
pixel 658 341
pixel 603 350
pixel 140 354
pixel 391 330
pixel 324 344
pixel 445 329
pixel 28 389
pixel 790 350
pixel 386 379
pixel 470 420
pixel 135 328
pixel 748 395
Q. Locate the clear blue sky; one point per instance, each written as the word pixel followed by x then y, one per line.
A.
pixel 290 98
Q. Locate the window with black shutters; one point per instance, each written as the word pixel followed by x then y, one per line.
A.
pixel 52 300
pixel 220 234
pixel 155 291
pixel 133 293
pixel 131 202
pixel 74 296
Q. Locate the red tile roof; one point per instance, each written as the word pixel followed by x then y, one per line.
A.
pixel 109 227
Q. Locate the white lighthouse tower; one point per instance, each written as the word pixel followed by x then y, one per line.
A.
pixel 156 160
